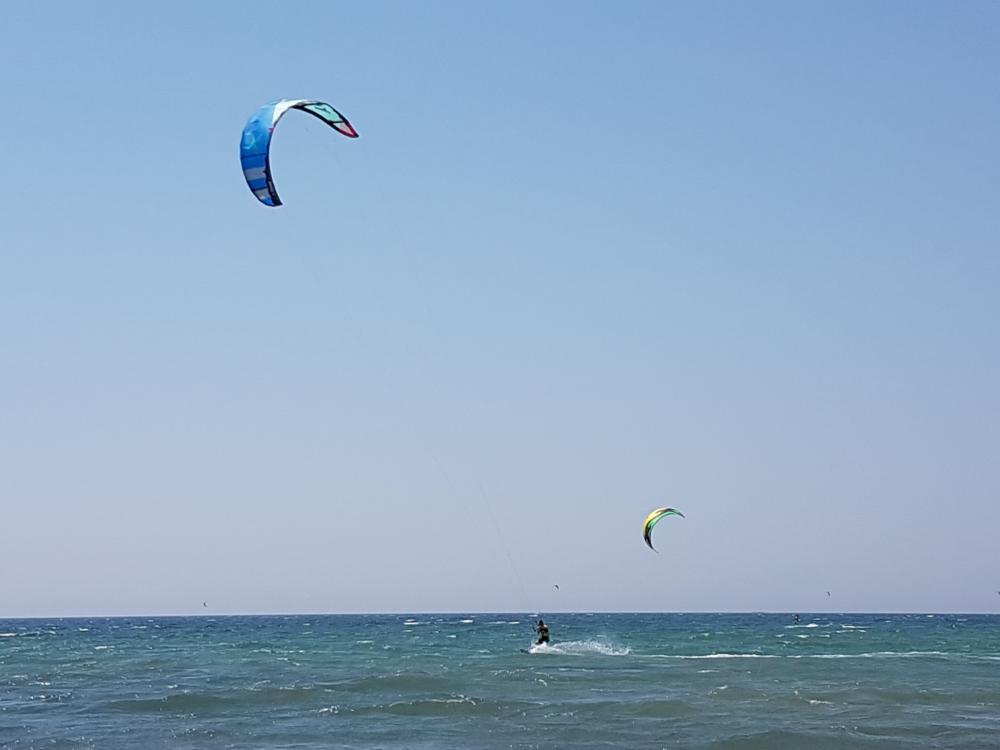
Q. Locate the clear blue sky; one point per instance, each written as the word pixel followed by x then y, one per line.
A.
pixel 585 259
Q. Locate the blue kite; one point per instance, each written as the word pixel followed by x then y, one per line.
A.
pixel 255 145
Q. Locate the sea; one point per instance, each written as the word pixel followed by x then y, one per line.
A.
pixel 430 681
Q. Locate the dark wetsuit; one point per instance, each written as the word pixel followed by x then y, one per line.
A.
pixel 543 634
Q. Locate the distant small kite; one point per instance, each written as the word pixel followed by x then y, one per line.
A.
pixel 556 586
pixel 828 593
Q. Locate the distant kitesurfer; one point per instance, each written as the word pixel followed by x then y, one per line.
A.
pixel 796 619
pixel 543 633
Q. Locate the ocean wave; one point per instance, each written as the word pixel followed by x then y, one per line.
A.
pixel 901 695
pixel 717 656
pixel 174 703
pixel 201 702
pixel 443 706
pixel 650 708
pixel 433 706
pixel 876 655
pixel 790 740
pixel 866 655
pixel 396 682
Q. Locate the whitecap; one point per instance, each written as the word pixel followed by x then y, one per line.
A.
pixel 874 655
pixel 456 699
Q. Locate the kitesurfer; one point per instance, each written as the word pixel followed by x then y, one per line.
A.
pixel 543 633
pixel 796 619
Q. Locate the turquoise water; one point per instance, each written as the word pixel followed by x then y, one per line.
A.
pixel 462 681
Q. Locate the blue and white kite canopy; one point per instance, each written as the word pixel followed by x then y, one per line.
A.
pixel 255 146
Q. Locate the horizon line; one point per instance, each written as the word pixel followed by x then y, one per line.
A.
pixel 550 612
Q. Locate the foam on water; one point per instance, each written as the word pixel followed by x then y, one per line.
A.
pixel 580 648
